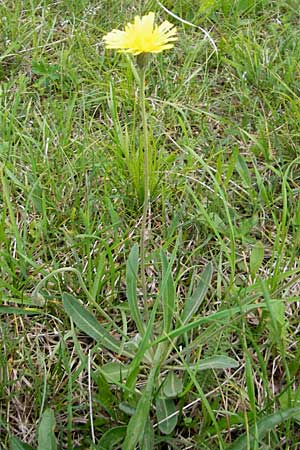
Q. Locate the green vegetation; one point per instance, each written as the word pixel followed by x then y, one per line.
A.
pixel 213 361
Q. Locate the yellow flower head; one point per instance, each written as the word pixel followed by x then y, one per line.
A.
pixel 142 36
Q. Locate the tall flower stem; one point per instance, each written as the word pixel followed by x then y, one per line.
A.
pixel 142 72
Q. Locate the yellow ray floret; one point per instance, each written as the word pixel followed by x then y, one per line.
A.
pixel 142 36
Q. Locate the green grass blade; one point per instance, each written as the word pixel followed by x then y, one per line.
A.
pixel 11 214
pixel 256 258
pixel 194 302
pixel 264 426
pixel 252 400
pixel 206 405
pixel 227 314
pixel 20 311
pixel 168 293
pixel 131 288
pixel 98 275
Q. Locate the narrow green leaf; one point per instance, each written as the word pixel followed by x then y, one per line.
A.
pixel 131 287
pixel 16 444
pixel 226 314
pixel 172 386
pixel 168 292
pixel 216 362
pixel 20 311
pixel 147 441
pixel 242 168
pixel 7 199
pixel 250 383
pixel 111 438
pixel 167 416
pixel 290 398
pixel 88 323
pixel 264 426
pixel 137 423
pixel 141 353
pixel 276 310
pixel 194 302
pixel 251 397
pixel 98 275
pixel 105 396
pixel 126 408
pixel 256 258
pixel 46 436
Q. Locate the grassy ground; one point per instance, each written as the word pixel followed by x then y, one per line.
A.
pixel 216 363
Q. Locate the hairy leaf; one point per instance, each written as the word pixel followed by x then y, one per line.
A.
pixel 194 302
pixel 166 415
pixel 89 324
pixel 46 436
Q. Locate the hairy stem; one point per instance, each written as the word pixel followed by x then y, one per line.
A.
pixel 146 188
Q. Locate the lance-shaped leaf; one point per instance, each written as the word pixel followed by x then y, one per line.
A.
pixel 131 287
pixel 147 441
pixel 46 436
pixel 194 302
pixel 216 362
pixel 138 422
pixel 167 292
pixel 256 258
pixel 89 324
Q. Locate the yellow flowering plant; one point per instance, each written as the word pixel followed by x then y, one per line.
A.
pixel 141 38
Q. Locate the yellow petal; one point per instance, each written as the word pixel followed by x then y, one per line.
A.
pixel 142 36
